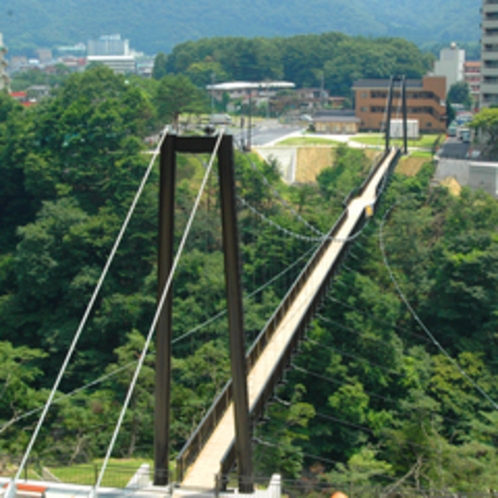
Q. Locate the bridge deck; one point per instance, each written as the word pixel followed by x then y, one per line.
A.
pixel 201 473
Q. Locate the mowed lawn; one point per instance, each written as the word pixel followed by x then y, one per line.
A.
pixel 118 472
pixel 424 142
pixel 303 141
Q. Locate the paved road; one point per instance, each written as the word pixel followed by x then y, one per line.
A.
pixel 454 148
pixel 264 133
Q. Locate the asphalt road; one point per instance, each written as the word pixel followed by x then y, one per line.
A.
pixel 264 132
pixel 454 148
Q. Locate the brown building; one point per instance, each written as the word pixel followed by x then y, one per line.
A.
pixel 336 122
pixel 425 102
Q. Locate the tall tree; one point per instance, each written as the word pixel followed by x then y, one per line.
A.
pixel 485 123
pixel 175 95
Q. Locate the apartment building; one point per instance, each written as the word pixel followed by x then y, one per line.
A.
pixel 472 75
pixel 450 65
pixel 489 54
pixel 4 79
pixel 425 102
pixel 108 45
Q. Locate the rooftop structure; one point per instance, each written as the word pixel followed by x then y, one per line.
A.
pixel 243 89
pixel 245 86
pixel 489 54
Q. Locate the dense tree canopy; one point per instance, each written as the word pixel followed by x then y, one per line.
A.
pixel 485 123
pixel 303 59
pixel 370 402
pixel 459 93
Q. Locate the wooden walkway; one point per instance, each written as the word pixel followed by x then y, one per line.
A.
pixel 201 474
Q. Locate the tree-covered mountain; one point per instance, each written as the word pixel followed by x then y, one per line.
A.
pixel 334 59
pixel 154 25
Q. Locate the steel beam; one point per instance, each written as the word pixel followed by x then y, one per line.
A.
pixel 235 315
pixel 164 325
pixel 170 147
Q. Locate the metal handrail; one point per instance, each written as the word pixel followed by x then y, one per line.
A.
pixel 194 444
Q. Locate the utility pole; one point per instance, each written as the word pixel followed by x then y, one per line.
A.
pixel 242 142
pixel 405 120
pixel 389 108
pixel 249 122
pixel 213 78
pixel 322 90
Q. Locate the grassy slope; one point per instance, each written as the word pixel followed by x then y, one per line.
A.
pixel 424 142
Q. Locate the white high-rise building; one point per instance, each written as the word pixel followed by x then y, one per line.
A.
pixel 108 45
pixel 4 79
pixel 450 64
pixel 489 54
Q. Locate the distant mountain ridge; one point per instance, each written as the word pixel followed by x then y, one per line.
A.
pixel 158 25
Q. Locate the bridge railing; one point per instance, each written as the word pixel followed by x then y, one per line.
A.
pixel 195 443
pixel 258 408
pixel 358 190
pixel 373 171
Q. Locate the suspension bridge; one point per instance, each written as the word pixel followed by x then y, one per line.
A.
pixel 205 457
pixel 218 444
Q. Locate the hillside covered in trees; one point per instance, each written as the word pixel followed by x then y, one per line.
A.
pixel 155 25
pixel 371 402
pixel 334 58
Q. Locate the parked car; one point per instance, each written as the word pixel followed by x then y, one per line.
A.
pixel 220 119
pixel 463 134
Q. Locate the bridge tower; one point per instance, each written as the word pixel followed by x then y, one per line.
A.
pixel 402 83
pixel 201 145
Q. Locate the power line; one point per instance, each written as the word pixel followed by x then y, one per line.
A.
pixel 275 224
pixel 354 331
pixel 341 383
pixel 352 425
pixel 267 442
pixel 284 202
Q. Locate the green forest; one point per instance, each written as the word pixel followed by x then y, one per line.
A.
pixel 332 59
pixel 378 400
pixel 307 60
pixel 154 25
